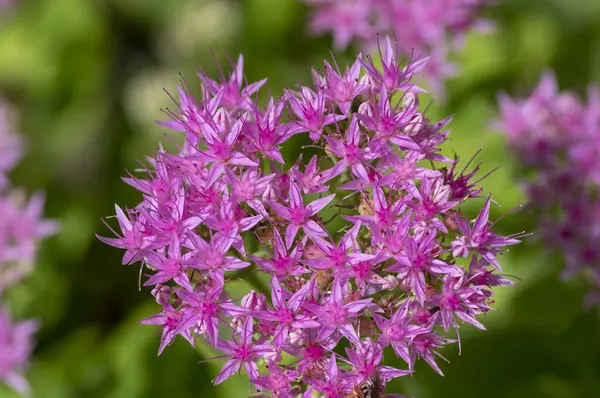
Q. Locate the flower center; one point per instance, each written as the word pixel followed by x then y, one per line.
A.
pixel 337 314
pixel 361 270
pixel 282 264
pixel 314 353
pixel 451 302
pixel 213 259
pixel 419 260
pixel 352 153
pixel 298 215
pixel 395 332
pixel 208 309
pixel 338 257
pixel 243 353
pixel 244 190
pixel 285 316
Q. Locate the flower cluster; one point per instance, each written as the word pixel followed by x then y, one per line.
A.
pixel 402 267
pixel 21 229
pixel 16 345
pixel 556 138
pixel 433 27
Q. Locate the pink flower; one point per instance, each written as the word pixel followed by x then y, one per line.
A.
pixel 242 352
pixel 555 138
pixel 433 27
pixel 418 259
pixel 339 258
pixel 233 95
pixel 281 263
pixel 16 345
pixel 228 207
pixel 299 214
pixel 311 181
pixel 286 313
pixel 341 89
pixel 309 108
pixel 333 314
pixel 399 331
pixel 21 230
pixel 133 239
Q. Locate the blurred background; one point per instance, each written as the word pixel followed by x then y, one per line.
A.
pixel 88 76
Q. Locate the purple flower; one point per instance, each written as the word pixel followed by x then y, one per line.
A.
pixel 203 309
pixel 404 171
pixel 286 314
pixel 267 132
pixel 385 215
pixel 171 321
pixel 334 385
pixel 190 115
pixel 278 382
pixel 480 239
pixel 384 266
pixel 424 345
pixel 366 361
pixel 460 300
pixel 221 150
pixel 309 108
pixel 394 77
pixel 554 136
pixel 211 257
pixel 231 220
pixel 388 122
pixel 433 199
pixel 334 314
pixel 299 215
pixel 341 89
pixel 420 258
pixel 249 188
pixel 434 27
pixel 233 95
pixel 16 345
pixel 170 267
pixel 460 183
pixel 338 257
pixel 242 352
pixel 282 263
pixel 136 243
pixel 21 230
pixel 399 331
pixel 311 181
pixel 350 152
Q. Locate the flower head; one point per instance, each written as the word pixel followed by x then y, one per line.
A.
pixel 555 136
pixel 427 27
pixel 385 275
pixel 21 230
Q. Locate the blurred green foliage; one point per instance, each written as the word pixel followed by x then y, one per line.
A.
pixel 88 77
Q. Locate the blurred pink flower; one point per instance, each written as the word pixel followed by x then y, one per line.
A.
pixel 21 230
pixel 556 138
pixel 16 344
pixel 424 27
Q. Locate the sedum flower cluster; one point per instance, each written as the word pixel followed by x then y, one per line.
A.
pixel 21 229
pixel 556 138
pixel 404 268
pixel 433 27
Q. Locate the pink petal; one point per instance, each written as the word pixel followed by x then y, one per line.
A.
pixel 357 306
pixel 290 234
pixel 316 206
pixel 229 369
